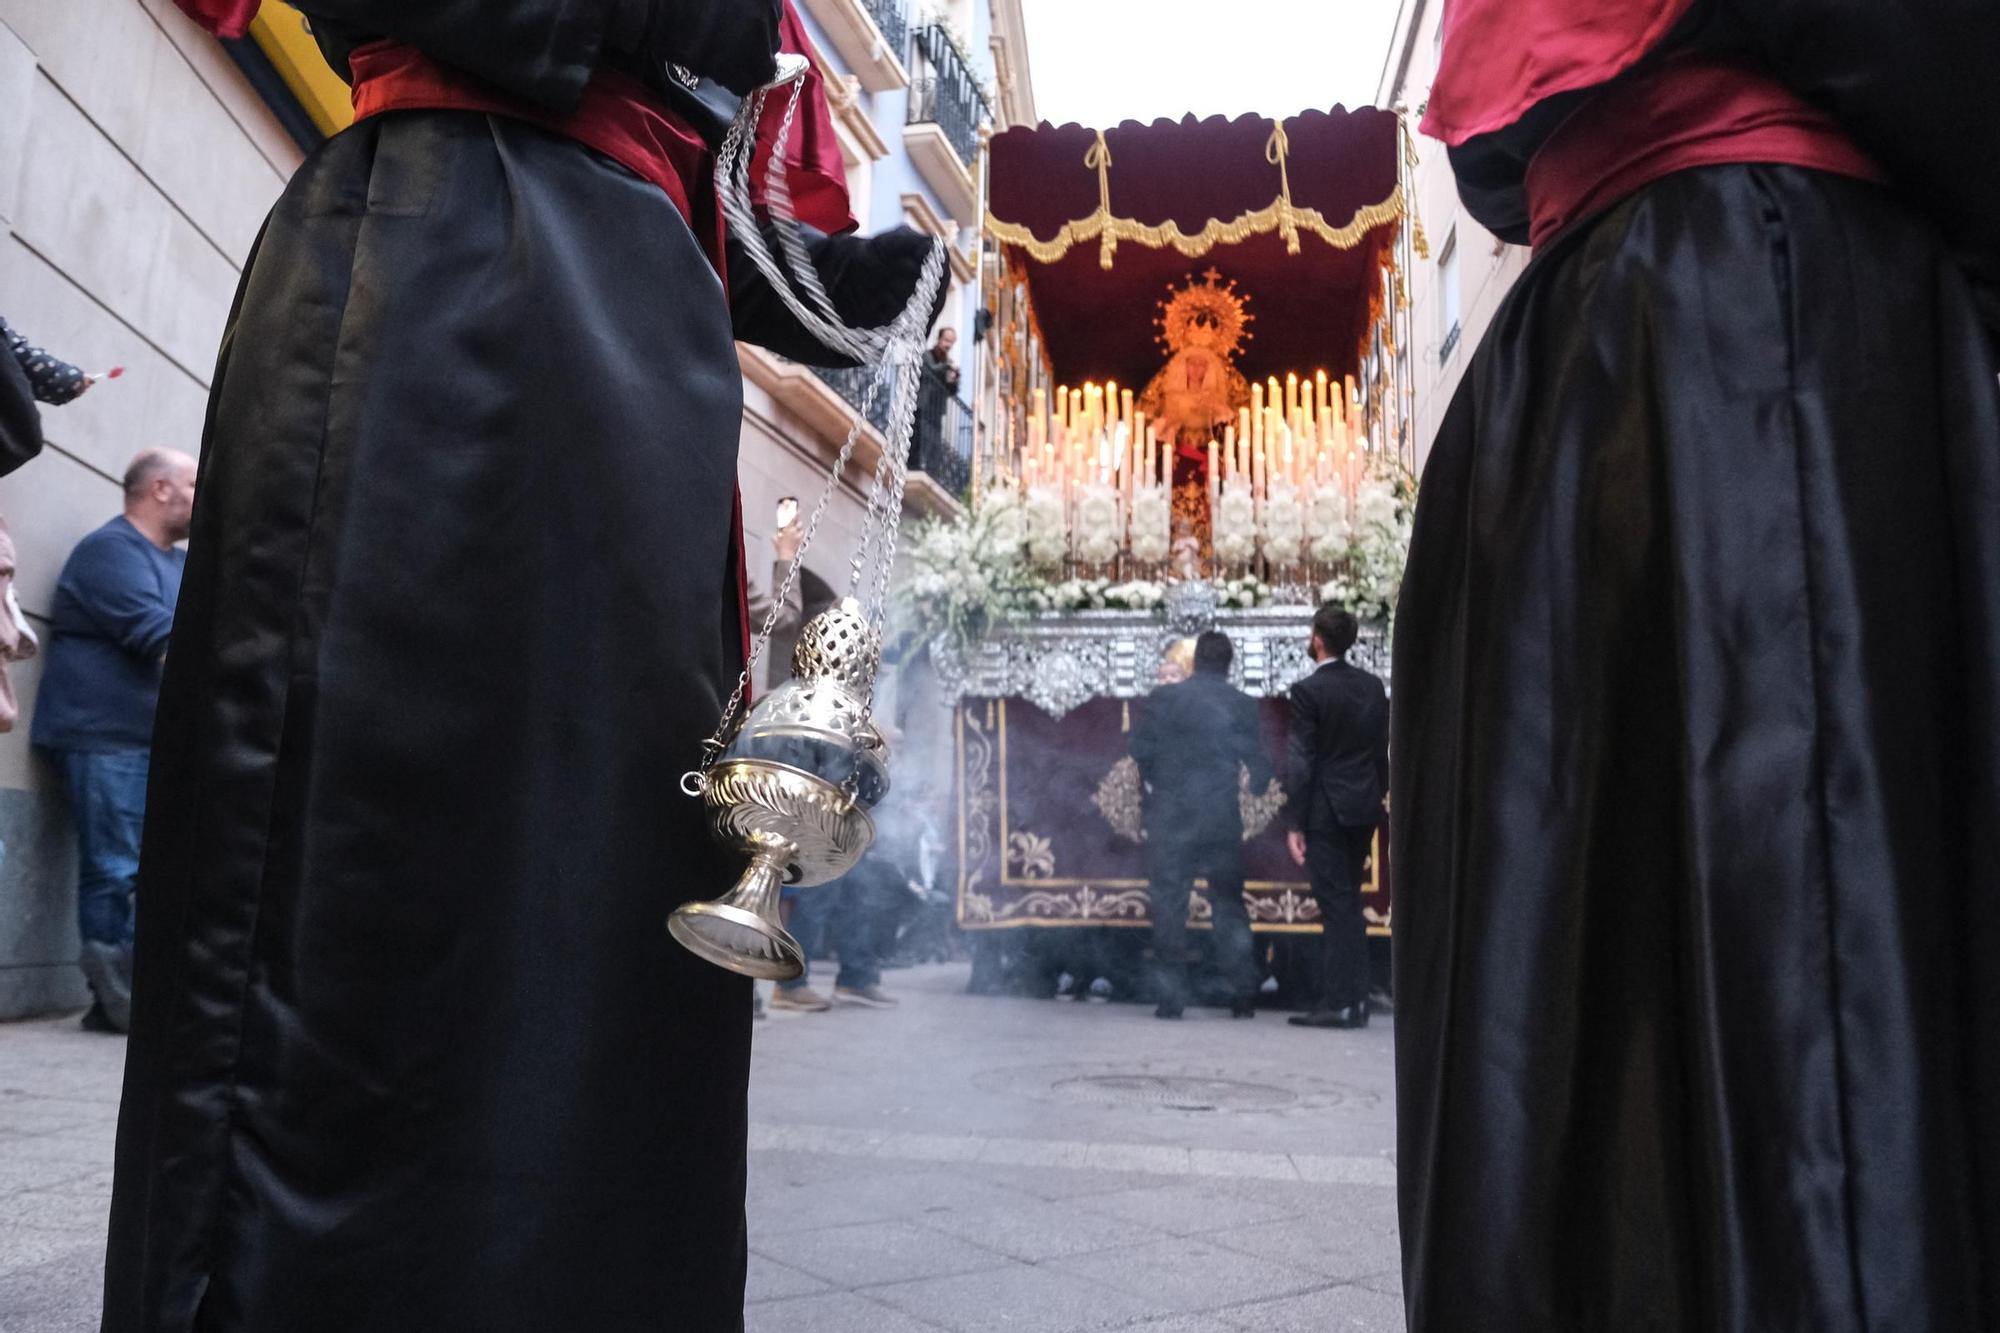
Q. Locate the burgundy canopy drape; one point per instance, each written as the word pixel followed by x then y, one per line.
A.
pixel 1312 309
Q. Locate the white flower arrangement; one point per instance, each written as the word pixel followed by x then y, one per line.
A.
pixel 1282 533
pixel 1095 595
pixel 1235 527
pixel 1136 595
pixel 1370 577
pixel 1098 539
pixel 1376 505
pixel 1045 526
pixel 1245 593
pixel 961 576
pixel 964 577
pixel 1152 524
pixel 1007 519
pixel 1331 533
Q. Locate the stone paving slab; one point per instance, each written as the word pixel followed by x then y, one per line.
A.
pixel 956 1165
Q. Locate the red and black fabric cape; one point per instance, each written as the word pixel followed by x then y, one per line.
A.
pixel 1697 709
pixel 412 1049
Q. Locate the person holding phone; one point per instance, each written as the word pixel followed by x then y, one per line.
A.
pixel 784 630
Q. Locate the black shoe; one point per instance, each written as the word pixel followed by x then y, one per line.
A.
pixel 96 1020
pixel 1167 1011
pixel 1243 1009
pixel 1353 1016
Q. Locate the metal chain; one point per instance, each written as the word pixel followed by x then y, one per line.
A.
pixel 893 349
pixel 712 748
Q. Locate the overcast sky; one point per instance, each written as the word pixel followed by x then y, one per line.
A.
pixel 1098 62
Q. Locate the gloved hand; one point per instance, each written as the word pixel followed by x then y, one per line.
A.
pixel 871 279
pixel 734 42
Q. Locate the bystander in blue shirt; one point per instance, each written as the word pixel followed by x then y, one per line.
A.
pixel 113 611
pixel 112 616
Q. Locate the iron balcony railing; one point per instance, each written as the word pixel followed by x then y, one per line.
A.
pixel 893 18
pixel 940 446
pixel 948 95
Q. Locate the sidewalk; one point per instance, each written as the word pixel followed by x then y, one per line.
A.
pixel 956 1164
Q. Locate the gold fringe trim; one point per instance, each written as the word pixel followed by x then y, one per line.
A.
pixel 1280 216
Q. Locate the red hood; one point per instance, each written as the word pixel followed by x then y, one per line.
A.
pixel 1501 57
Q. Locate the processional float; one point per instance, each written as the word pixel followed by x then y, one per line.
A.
pixel 1202 401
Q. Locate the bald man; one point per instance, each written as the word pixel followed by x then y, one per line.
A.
pixel 114 607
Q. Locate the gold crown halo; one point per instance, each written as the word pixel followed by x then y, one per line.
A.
pixel 1208 313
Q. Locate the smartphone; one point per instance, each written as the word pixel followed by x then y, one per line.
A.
pixel 788 512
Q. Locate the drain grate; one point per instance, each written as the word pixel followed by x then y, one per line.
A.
pixel 1174 1092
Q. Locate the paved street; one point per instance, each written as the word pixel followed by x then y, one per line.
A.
pixel 957 1164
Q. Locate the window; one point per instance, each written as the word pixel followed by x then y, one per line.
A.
pixel 1448 309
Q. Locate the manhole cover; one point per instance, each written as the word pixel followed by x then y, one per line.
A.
pixel 1177 1086
pixel 1174 1092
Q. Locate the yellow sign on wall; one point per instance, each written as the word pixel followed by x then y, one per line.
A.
pixel 281 33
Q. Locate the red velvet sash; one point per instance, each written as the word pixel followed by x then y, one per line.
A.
pixel 618 116
pixel 224 18
pixel 1690 112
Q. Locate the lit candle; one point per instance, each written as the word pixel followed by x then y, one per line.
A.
pixel 1291 393
pixel 1214 482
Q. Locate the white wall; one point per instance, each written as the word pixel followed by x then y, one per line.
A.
pixel 1486 267
pixel 136 166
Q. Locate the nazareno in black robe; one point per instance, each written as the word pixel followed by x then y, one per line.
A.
pixel 412 1049
pixel 1697 735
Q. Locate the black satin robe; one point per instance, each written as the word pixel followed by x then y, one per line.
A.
pixel 412 1049
pixel 1697 766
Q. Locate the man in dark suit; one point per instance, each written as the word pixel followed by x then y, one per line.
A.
pixel 1193 740
pixel 1337 769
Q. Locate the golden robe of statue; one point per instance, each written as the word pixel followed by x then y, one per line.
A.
pixel 1199 391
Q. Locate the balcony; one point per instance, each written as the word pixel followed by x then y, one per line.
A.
pixel 947 110
pixel 871 37
pixel 940 448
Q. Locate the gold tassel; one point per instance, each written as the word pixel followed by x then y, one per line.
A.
pixel 1277 152
pixel 1099 157
pixel 1418 243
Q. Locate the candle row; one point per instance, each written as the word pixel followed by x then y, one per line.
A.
pixel 1303 431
